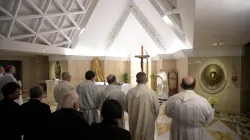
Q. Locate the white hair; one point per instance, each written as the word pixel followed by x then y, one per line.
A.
pixel 69 99
pixel 65 75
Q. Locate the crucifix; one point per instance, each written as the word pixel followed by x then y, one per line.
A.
pixel 142 56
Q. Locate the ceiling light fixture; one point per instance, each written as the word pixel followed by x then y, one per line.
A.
pixel 167 20
pixel 81 31
pixel 218 44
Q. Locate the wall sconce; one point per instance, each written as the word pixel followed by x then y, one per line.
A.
pixel 234 77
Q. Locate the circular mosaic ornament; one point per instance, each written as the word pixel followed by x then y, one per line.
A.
pixel 212 76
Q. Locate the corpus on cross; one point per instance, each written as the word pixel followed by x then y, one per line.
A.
pixel 142 56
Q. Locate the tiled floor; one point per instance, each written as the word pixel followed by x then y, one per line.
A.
pixel 223 127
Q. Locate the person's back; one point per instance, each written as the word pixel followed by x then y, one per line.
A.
pixel 35 115
pixel 10 112
pixel 108 129
pixel 63 87
pixel 90 98
pixel 68 122
pixel 143 109
pixel 189 112
pixel 113 91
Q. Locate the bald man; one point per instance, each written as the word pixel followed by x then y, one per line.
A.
pixel 113 91
pixel 189 112
pixel 143 108
pixel 68 118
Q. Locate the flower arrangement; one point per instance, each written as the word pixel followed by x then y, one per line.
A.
pixel 125 77
pixel 212 101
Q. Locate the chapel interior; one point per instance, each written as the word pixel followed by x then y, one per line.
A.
pixel 206 39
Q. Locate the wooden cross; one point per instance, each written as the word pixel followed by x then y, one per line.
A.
pixel 142 56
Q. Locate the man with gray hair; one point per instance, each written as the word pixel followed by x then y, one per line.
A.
pixel 63 87
pixel 113 91
pixel 69 118
pixel 34 111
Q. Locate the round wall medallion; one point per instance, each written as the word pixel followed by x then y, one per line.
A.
pixel 213 76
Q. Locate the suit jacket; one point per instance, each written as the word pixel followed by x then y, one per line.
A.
pixel 70 125
pixel 10 120
pixel 35 116
pixel 109 130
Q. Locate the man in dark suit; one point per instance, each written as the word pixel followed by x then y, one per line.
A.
pixel 10 112
pixel 35 115
pixel 68 123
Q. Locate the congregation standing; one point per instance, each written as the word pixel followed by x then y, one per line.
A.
pixel 77 114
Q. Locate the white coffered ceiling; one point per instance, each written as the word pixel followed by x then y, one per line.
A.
pixel 120 27
pixel 47 22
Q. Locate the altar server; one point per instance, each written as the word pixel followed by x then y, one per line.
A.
pixel 143 109
pixel 90 98
pixel 113 91
pixel 63 87
pixel 189 112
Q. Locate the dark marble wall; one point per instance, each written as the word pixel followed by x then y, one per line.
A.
pixel 245 81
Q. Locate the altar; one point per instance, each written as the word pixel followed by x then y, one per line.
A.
pixel 124 87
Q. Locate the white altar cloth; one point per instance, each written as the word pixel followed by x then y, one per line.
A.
pixel 124 87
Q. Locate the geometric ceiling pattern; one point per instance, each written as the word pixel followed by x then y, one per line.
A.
pixel 170 9
pixel 48 22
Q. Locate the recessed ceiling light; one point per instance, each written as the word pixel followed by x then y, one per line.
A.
pixel 167 20
pixel 81 31
pixel 218 44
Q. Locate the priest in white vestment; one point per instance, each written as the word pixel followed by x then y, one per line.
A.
pixel 143 109
pixel 189 112
pixel 8 77
pixel 162 84
pixel 90 98
pixel 113 91
pixel 63 87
